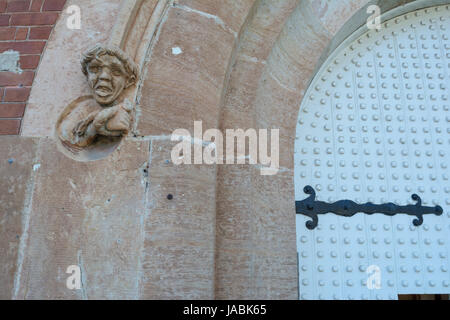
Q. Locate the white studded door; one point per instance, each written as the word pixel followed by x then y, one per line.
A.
pixel 375 126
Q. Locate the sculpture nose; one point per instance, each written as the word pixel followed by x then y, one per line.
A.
pixel 105 74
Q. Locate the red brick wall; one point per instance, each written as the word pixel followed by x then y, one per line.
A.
pixel 25 26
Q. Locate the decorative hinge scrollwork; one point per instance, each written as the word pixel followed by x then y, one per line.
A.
pixel 347 208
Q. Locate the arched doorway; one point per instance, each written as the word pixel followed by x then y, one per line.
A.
pixel 374 127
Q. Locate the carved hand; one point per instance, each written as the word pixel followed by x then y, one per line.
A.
pixel 120 122
pixel 81 127
pixel 114 121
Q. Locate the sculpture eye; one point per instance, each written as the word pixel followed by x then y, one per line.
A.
pixel 117 72
pixel 93 69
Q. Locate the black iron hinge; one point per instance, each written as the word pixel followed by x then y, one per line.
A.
pixel 347 208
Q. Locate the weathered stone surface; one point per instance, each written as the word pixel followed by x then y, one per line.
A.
pixel 234 228
pixel 60 80
pixel 185 74
pixel 178 256
pixel 264 27
pixel 230 12
pixel 256 250
pixel 16 165
pixel 237 111
pixel 137 27
pixel 275 263
pixel 254 99
pixel 295 54
pixel 277 108
pixel 86 214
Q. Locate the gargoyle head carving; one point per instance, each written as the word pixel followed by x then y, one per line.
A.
pixel 109 71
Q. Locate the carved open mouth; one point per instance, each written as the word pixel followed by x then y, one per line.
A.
pixel 103 91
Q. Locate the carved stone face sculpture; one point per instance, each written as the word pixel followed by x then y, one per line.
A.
pixel 106 76
pixel 109 72
pixel 95 123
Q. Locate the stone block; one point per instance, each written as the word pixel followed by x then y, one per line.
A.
pixel 87 214
pixel 17 156
pixel 178 260
pixel 185 75
pixel 232 13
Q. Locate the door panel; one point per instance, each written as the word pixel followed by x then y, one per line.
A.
pixel 375 126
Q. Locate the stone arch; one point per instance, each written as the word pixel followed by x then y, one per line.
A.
pixel 171 254
pixel 275 60
pixel 267 83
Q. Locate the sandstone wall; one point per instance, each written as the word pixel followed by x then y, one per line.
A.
pixel 228 232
